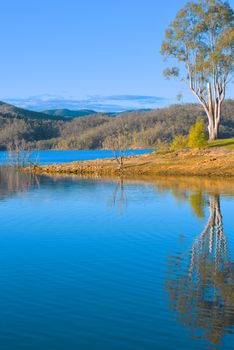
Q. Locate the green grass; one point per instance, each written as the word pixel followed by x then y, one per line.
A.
pixel 222 143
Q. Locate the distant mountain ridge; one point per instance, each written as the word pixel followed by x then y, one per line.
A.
pixel 68 113
pixel 9 111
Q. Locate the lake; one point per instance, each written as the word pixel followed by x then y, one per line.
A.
pixel 58 156
pixel 114 264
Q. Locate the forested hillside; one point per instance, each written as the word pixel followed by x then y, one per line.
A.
pixel 141 128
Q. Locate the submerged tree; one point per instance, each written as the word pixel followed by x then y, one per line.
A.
pixel 202 38
pixel 201 284
pixel 118 143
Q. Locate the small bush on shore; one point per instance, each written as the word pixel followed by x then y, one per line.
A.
pixel 197 136
pixel 179 142
pixel 162 146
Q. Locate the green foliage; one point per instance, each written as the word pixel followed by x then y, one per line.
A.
pixel 162 146
pixel 171 72
pixel 179 142
pixel 197 137
pixel 202 36
pixel 201 39
pixel 197 203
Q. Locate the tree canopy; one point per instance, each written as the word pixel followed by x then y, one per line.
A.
pixel 201 38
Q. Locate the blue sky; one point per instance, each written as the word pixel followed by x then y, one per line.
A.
pixel 101 54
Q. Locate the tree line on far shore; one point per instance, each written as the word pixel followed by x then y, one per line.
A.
pixel 141 129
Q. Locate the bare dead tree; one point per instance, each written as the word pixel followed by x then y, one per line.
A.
pixel 117 142
pixel 19 156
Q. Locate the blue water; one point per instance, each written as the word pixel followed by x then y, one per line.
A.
pixel 57 156
pixel 91 264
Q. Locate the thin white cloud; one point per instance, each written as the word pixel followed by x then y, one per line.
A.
pixel 114 103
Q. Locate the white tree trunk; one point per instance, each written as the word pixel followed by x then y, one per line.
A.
pixel 213 113
pixel 213 126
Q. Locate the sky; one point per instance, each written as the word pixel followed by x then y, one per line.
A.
pixel 96 54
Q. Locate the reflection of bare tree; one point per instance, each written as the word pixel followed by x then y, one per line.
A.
pixel 201 286
pixel 12 181
pixel 119 196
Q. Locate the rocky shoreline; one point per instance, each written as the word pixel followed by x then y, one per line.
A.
pixel 215 162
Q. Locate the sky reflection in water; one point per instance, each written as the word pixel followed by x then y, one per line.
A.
pixel 116 264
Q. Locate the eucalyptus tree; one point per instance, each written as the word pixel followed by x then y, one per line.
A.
pixel 201 39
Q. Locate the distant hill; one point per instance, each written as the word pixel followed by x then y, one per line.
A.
pixel 142 128
pixel 68 113
pixel 13 112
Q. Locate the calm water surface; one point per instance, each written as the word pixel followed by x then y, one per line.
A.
pixel 57 156
pixel 91 264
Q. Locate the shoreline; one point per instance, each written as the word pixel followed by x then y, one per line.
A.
pixel 211 162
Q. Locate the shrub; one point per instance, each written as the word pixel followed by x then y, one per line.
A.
pixel 162 146
pixel 179 142
pixel 197 136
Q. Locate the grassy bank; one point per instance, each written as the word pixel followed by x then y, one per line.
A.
pixel 229 143
pixel 214 161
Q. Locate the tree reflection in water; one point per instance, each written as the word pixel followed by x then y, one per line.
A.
pixel 119 196
pixel 201 284
pixel 13 181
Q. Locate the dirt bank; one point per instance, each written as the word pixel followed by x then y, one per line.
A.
pixel 215 162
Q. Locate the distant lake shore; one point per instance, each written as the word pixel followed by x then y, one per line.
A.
pixel 45 157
